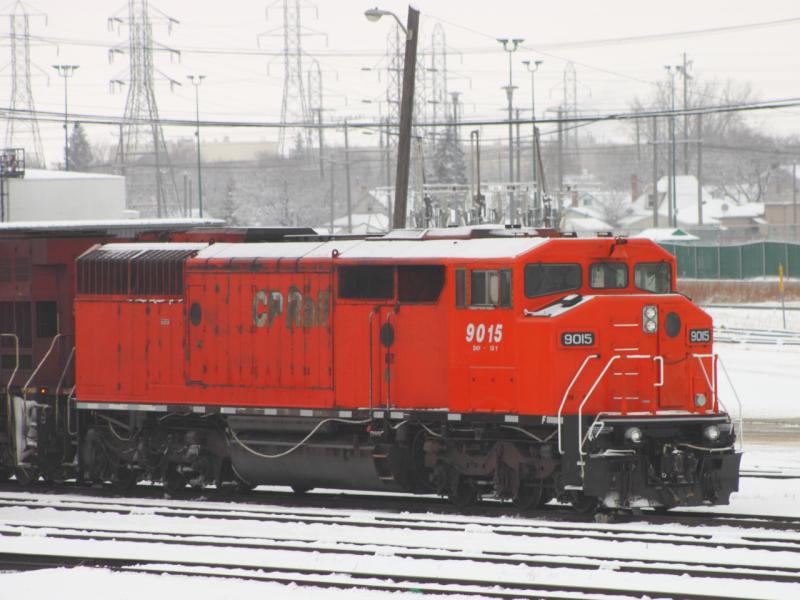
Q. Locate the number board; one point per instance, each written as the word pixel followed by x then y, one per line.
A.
pixel 699 336
pixel 571 339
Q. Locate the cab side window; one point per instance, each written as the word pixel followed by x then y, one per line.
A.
pixel 542 279
pixel 608 276
pixel 486 287
pixel 653 277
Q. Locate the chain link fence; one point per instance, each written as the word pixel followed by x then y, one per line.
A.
pixel 741 261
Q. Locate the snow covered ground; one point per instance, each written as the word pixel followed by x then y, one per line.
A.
pixel 768 317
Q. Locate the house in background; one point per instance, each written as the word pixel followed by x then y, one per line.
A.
pixel 723 218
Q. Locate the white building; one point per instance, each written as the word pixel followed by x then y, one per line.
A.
pixel 66 195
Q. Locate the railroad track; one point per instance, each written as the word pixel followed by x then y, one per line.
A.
pixel 138 555
pixel 634 529
pixel 480 556
pixel 740 335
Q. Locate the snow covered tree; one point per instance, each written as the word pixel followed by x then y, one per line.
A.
pixel 227 208
pixel 79 150
pixel 449 165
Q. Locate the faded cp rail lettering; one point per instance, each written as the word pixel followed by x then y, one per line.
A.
pixel 301 311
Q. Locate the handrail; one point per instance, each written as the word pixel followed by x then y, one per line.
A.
pixel 9 412
pixel 389 366
pixel 371 352
pixel 714 387
pixel 39 366
pixel 16 356
pixel 599 378
pixel 660 360
pixel 60 381
pixel 740 437
pixel 566 394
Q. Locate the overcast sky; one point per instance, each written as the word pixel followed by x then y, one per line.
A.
pixel 240 87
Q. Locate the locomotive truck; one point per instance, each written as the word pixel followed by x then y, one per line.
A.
pixel 465 362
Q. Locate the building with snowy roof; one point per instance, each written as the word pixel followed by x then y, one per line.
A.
pixel 715 214
pixel 66 195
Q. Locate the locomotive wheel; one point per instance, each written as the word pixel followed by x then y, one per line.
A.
pixel 465 494
pixel 529 496
pixel 301 489
pixel 26 475
pixel 173 481
pixel 124 479
pixel 582 503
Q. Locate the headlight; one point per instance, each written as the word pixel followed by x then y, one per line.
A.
pixel 711 433
pixel 699 400
pixel 633 435
pixel 650 319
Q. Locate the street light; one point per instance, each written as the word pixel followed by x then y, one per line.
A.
pixel 66 71
pixel 374 15
pixel 673 208
pixel 196 81
pixel 406 109
pixel 532 68
pixel 510 45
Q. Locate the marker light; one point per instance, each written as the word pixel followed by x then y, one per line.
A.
pixel 699 400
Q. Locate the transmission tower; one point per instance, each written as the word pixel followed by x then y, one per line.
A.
pixel 295 106
pixel 438 89
pixel 22 132
pixel 141 142
pixel 570 105
pixel 394 79
pixel 316 109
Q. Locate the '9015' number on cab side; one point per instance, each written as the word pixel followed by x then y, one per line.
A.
pixel 492 334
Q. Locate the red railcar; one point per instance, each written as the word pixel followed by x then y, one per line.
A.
pixel 37 341
pixel 464 362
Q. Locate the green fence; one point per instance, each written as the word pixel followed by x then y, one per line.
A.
pixel 744 261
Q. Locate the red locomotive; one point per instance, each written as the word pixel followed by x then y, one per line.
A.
pixel 463 362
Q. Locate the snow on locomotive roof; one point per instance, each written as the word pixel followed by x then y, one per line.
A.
pixel 149 246
pixel 380 249
pixel 25 226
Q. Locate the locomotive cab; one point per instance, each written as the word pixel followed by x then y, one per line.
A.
pixel 633 377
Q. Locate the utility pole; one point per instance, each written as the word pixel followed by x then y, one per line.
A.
pixel 519 153
pixel 794 197
pixel 537 194
pixel 411 30
pixel 655 171
pixel 673 220
pixel 684 71
pixel 331 169
pixel 700 169
pixel 196 81
pixel 321 141
pixel 347 179
pixel 66 71
pixel 560 150
pixel 510 46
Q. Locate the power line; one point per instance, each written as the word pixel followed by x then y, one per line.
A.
pixel 53 116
